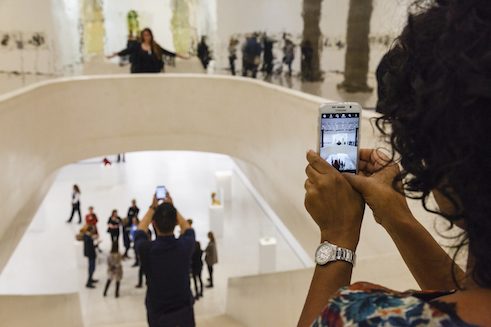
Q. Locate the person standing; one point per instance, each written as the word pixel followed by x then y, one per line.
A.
pixel 90 254
pixel 268 57
pixel 91 219
pixel 196 269
pixel 165 262
pixel 147 55
pixel 75 204
pixel 132 213
pixel 113 225
pixel 232 54
pixel 288 54
pixel 204 53
pixel 137 262
pixel 133 229
pixel 251 56
pixel 211 257
pixel 114 269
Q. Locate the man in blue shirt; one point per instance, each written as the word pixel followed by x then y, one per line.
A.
pixel 165 262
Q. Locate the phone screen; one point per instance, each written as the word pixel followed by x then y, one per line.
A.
pixel 339 140
pixel 161 192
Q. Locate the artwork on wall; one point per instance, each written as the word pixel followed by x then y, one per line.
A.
pixel 16 40
pixel 133 21
pixel 184 33
pixel 6 42
pixel 92 27
pixel 35 41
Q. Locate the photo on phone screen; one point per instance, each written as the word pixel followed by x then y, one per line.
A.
pixel 161 192
pixel 339 140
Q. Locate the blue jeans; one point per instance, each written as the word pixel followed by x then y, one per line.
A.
pixel 91 269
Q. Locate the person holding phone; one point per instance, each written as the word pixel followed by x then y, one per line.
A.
pixel 435 117
pixel 165 262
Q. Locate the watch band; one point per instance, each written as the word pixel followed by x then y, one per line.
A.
pixel 327 252
pixel 345 255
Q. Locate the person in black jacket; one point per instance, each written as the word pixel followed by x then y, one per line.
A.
pixel 165 262
pixel 90 253
pixel 146 54
pixel 114 225
pixel 196 269
pixel 132 212
pixel 204 53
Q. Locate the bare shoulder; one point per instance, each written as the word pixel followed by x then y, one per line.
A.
pixel 473 306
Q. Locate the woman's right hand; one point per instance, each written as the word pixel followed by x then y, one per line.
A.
pixel 374 182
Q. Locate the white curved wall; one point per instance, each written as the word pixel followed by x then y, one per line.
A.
pixel 49 125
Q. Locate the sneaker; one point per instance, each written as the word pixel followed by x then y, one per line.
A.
pixel 139 286
pixel 89 285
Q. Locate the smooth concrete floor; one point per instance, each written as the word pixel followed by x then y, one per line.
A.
pixel 49 260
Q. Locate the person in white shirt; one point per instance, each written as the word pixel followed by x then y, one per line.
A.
pixel 75 204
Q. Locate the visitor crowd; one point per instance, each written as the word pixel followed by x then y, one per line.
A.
pixel 168 263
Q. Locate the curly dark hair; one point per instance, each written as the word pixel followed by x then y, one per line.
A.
pixel 436 109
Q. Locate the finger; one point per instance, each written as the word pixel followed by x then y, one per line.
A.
pixel 362 165
pixel 319 164
pixel 366 154
pixel 372 160
pixel 358 182
pixel 308 185
pixel 312 174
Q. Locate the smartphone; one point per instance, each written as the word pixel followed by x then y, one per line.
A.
pixel 161 192
pixel 339 135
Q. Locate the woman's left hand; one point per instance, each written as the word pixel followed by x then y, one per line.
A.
pixel 333 204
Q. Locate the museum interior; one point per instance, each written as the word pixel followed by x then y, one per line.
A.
pixel 215 102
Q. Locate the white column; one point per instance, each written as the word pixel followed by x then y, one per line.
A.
pixel 267 255
pixel 217 219
pixel 224 185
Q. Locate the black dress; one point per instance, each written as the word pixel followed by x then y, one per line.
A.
pixel 145 61
pixel 114 232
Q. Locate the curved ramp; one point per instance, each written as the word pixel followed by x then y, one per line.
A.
pixel 46 126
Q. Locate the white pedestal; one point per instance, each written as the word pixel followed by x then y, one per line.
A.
pixel 217 219
pixel 224 185
pixel 267 255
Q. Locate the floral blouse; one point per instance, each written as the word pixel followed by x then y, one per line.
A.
pixel 364 304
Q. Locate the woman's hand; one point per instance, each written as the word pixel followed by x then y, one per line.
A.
pixel 374 182
pixel 333 204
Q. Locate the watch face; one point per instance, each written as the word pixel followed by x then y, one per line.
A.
pixel 325 253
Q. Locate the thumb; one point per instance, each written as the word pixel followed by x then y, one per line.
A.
pixel 358 182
